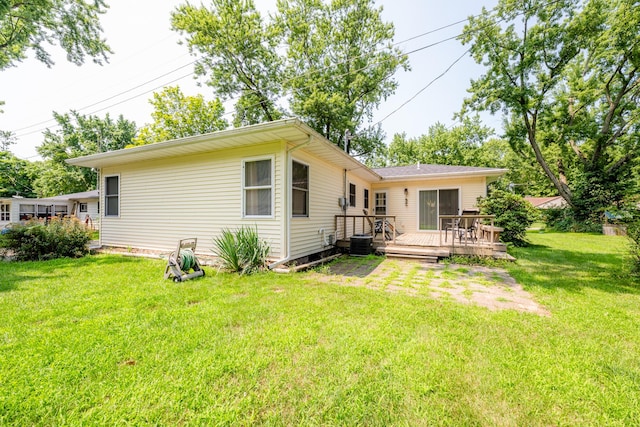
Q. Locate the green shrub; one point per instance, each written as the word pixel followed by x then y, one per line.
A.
pixel 633 233
pixel 512 212
pixel 243 251
pixel 564 219
pixel 37 240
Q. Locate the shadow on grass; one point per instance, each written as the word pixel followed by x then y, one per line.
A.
pixel 572 270
pixel 12 273
pixel 350 266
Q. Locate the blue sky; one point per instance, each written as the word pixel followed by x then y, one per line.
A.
pixel 146 54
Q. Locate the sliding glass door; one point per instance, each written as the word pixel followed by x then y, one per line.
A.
pixel 434 203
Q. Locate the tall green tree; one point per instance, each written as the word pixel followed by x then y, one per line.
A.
pixel 78 135
pixel 329 63
pixel 16 176
pixel 340 63
pixel 35 24
pixel 458 145
pixel 237 51
pixel 177 116
pixel 565 74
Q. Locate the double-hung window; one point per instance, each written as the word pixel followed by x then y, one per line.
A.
pixel 299 189
pixel 258 187
pixel 112 195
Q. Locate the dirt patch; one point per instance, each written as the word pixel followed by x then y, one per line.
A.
pixel 488 287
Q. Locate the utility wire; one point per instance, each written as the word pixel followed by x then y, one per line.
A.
pixel 423 89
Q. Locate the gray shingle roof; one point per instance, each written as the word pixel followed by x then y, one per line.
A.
pixel 426 170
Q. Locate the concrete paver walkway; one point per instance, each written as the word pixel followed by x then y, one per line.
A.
pixel 484 286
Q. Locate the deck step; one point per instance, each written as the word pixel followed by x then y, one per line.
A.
pixel 407 250
pixel 423 258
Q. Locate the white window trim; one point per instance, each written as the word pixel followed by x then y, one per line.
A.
pixel 308 190
pixel 5 211
pixel 272 186
pixel 355 195
pixel 104 183
pixel 418 190
pixel 375 202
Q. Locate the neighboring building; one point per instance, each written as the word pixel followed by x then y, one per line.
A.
pixel 282 177
pixel 82 205
pixel 547 202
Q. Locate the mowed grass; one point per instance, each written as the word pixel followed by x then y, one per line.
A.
pixel 106 340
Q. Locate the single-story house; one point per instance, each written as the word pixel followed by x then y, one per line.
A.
pixel 282 177
pixel 547 202
pixel 83 205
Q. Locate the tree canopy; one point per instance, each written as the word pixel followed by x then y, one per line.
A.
pixel 565 75
pixel 330 64
pixel 16 176
pixel 32 25
pixel 79 135
pixel 177 116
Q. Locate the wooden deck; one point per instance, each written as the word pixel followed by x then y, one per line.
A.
pixel 427 245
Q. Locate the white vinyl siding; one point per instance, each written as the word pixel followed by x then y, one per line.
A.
pixel 326 185
pixel 163 201
pixel 407 212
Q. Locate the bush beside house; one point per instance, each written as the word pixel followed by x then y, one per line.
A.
pixel 36 240
pixel 512 212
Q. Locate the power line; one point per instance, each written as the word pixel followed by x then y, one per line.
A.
pixel 423 89
pixel 109 98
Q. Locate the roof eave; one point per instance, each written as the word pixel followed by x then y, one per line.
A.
pixel 486 173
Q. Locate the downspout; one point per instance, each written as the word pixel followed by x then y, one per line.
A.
pixel 288 213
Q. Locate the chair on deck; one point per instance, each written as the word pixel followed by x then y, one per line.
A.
pixel 467 228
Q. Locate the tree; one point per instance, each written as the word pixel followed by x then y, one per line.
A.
pixel 334 61
pixel 7 139
pixel 458 145
pixel 79 135
pixel 340 64
pixel 237 51
pixel 178 116
pixel 565 74
pixel 16 176
pixel 32 25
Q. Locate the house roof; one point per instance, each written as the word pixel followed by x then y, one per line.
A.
pixel 539 201
pixel 435 171
pixel 291 131
pixel 92 194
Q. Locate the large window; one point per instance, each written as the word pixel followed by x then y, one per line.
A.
pixel 5 212
pixel 27 212
pixel 381 203
pixel 299 189
pixel 366 198
pixel 61 210
pixel 352 195
pixel 112 195
pixel 258 188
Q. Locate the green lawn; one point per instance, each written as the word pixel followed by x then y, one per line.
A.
pixel 105 340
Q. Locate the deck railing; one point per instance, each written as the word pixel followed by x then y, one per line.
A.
pixel 468 230
pixel 348 225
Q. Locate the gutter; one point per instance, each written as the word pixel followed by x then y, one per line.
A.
pixel 288 213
